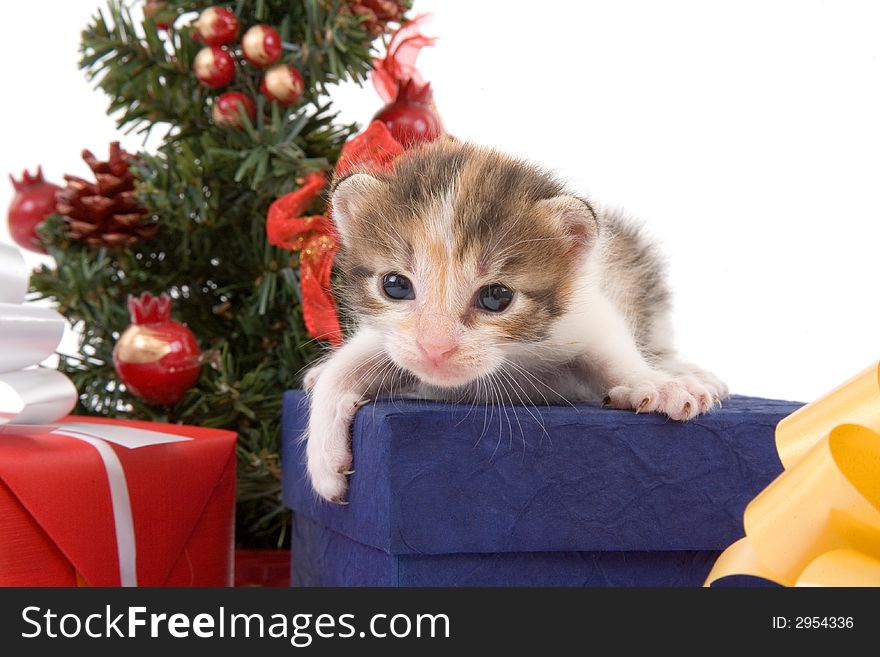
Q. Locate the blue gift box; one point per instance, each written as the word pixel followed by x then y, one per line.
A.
pixel 455 495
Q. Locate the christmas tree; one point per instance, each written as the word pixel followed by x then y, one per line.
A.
pixel 189 219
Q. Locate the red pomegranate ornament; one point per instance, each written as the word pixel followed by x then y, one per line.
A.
pixel 282 84
pixel 261 45
pixel 156 357
pixel 214 67
pixel 216 26
pixel 409 114
pixel 226 109
pixel 34 200
pixel 412 117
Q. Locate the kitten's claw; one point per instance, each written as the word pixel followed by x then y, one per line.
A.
pixel 679 398
pixel 362 402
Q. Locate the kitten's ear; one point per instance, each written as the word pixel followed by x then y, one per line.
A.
pixel 349 196
pixel 574 217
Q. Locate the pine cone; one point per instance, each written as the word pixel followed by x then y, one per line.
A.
pixel 378 13
pixel 105 212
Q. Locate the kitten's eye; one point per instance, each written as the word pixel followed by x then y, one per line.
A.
pixel 397 287
pixel 494 298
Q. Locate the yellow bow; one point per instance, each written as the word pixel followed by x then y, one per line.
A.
pixel 818 523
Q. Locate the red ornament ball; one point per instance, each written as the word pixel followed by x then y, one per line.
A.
pixel 411 117
pixel 156 357
pixel 34 200
pixel 226 109
pixel 157 10
pixel 216 26
pixel 214 67
pixel 261 45
pixel 282 84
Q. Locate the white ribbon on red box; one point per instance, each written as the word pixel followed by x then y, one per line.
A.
pixel 28 335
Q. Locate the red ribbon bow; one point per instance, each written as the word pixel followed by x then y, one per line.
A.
pixel 315 236
pixel 398 68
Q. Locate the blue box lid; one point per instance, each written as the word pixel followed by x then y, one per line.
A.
pixel 439 478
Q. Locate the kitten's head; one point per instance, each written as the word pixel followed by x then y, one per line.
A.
pixel 458 255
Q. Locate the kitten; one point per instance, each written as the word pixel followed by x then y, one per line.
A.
pixel 476 276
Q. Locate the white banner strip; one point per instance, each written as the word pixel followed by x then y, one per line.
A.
pixel 28 335
pixel 13 275
pixel 127 437
pixel 43 396
pixel 126 547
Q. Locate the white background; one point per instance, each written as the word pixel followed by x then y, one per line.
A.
pixel 746 134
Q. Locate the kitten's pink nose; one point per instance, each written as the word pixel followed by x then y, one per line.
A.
pixel 437 350
pixel 437 338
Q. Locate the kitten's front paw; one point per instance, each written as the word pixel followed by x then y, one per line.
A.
pixel 328 449
pixel 328 481
pixel 679 398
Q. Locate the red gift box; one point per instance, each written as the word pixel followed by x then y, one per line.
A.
pixel 62 525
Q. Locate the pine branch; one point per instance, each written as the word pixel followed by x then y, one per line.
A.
pixel 209 188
